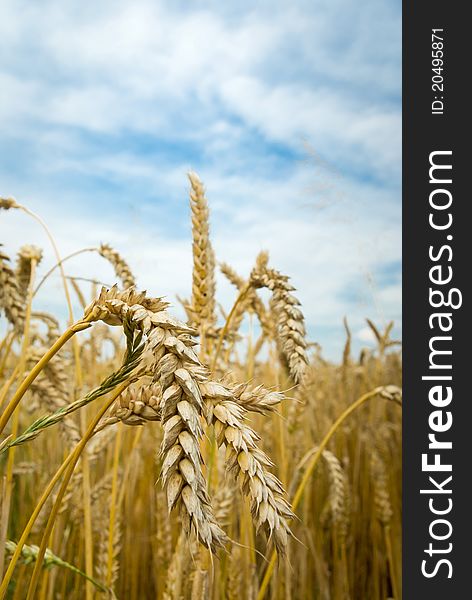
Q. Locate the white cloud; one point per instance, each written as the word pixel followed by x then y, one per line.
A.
pixel 287 113
pixel 108 105
pixel 366 335
pixel 143 66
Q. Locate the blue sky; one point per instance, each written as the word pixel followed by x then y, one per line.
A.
pixel 289 111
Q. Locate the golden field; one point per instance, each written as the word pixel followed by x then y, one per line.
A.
pixel 219 457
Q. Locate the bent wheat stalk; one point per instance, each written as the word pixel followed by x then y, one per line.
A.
pixel 36 370
pixel 125 372
pixel 388 392
pixel 241 296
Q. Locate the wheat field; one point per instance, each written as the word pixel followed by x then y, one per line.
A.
pixel 220 456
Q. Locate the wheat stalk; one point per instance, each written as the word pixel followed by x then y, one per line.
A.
pixel 131 362
pixel 251 303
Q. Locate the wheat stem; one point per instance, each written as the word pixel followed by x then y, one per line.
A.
pixel 88 539
pixel 8 383
pixel 15 421
pixel 113 503
pixel 242 294
pixel 7 344
pixel 68 474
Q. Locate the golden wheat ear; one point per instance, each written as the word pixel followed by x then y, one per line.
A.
pixel 290 322
pixel 203 274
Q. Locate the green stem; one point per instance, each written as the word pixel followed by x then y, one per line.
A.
pixel 29 554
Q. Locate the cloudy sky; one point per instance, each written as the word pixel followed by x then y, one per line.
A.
pixel 289 112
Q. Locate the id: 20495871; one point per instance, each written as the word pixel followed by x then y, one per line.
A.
pixel 437 66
